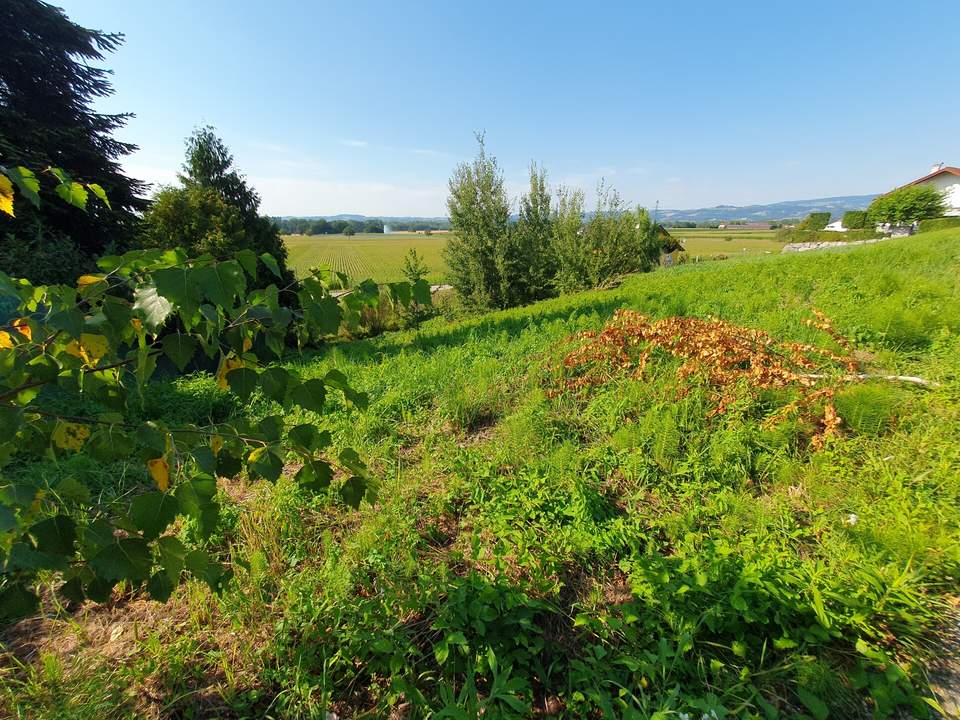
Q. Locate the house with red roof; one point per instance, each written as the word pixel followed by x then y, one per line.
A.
pixel 946 179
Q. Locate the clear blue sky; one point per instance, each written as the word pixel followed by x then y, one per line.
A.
pixel 366 107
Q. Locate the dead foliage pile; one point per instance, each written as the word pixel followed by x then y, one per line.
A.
pixel 725 355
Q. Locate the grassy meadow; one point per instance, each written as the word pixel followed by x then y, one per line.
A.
pixel 707 242
pixel 379 257
pixel 619 548
pixel 366 255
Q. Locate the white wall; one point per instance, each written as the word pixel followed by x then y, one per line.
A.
pixel 949 185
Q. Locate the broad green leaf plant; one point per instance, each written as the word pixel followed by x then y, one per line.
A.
pixel 97 344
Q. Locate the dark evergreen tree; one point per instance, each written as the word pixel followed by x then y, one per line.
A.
pixel 48 85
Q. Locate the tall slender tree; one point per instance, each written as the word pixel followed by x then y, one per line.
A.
pixel 49 82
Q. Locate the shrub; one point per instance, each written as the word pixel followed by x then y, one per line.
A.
pixel 855 219
pixel 907 205
pixel 940 223
pixel 796 235
pixel 615 241
pixel 479 215
pixel 816 221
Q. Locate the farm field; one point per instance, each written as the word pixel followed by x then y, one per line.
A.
pixel 367 255
pixel 707 242
pixel 558 538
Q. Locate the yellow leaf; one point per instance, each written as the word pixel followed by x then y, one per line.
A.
pixel 226 365
pixel 137 325
pixel 6 195
pixel 5 339
pixel 160 472
pixel 216 444
pixel 255 454
pixel 85 281
pixel 70 436
pixel 247 344
pixel 89 348
pixel 23 328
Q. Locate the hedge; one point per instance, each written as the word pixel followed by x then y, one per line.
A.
pixel 855 219
pixel 817 221
pixel 796 235
pixel 940 223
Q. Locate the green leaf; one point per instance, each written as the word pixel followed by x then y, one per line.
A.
pixel 351 460
pixel 72 590
pixel 180 349
pixel 228 465
pixel 99 589
pixel 152 512
pixel 24 557
pixel 222 282
pixel 8 520
pixel 324 315
pixel 27 182
pixel 271 264
pixel 815 705
pixel 336 379
pixel 55 535
pixel 242 381
pixel 17 602
pixel 315 475
pixel 266 464
pixel 73 193
pixel 400 292
pixel 153 307
pixel 98 191
pixel 248 261
pixel 272 427
pixel 11 418
pixel 69 321
pixel 172 556
pixel 307 438
pixel 179 285
pixel 310 395
pixel 125 559
pixel 274 382
pixel 205 458
pixel 160 586
pixel 196 499
pixel 421 292
pixel 351 492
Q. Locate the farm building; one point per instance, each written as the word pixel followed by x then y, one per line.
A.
pixel 836 226
pixel 946 179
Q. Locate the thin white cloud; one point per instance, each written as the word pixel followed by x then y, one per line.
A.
pixel 353 143
pixel 296 196
pixel 272 148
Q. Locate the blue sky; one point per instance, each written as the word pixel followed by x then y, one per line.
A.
pixel 366 107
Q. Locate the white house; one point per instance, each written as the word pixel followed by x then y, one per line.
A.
pixel 946 179
pixel 836 226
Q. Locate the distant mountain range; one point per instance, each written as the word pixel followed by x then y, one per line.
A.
pixel 836 206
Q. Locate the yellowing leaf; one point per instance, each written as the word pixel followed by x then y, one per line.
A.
pixel 5 340
pixel 89 348
pixel 6 195
pixel 247 344
pixel 70 436
pixel 137 324
pixel 159 470
pixel 216 444
pixel 85 281
pixel 23 328
pixel 228 364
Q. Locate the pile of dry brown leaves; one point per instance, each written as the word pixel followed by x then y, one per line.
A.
pixel 723 354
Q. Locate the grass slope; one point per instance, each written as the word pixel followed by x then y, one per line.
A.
pixel 617 553
pixel 367 255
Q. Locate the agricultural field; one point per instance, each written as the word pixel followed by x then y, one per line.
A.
pixel 374 255
pixel 700 512
pixel 707 242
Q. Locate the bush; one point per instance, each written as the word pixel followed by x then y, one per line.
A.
pixel 816 221
pixel 855 219
pixel 614 242
pixel 796 235
pixel 940 223
pixel 907 205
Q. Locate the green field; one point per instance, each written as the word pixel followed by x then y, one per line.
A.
pixel 379 257
pixel 375 256
pixel 706 242
pixel 621 550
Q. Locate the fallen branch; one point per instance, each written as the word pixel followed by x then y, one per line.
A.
pixel 868 376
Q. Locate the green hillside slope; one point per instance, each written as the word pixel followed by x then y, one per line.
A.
pixel 579 536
